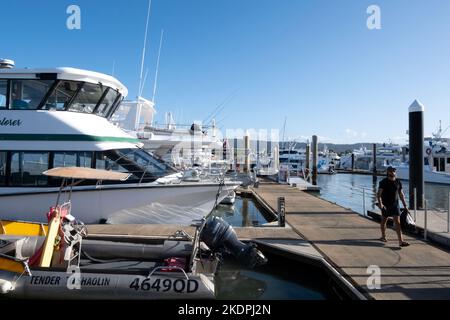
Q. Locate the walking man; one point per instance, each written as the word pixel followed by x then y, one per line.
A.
pixel 389 192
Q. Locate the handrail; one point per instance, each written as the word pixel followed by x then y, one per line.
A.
pixel 170 268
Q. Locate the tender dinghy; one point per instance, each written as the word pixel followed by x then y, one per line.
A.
pixel 66 265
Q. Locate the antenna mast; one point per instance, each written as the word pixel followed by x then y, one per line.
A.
pixel 144 48
pixel 284 128
pixel 157 66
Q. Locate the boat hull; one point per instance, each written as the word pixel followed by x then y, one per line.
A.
pixel 154 204
pixel 429 176
pixel 56 285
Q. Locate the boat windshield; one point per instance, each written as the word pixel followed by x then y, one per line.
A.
pixel 58 95
pixel 25 168
pixel 141 165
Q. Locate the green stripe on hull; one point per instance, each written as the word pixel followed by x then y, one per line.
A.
pixel 63 137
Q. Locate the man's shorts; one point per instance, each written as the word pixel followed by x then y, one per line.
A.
pixel 391 211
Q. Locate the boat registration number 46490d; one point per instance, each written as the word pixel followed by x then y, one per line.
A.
pixel 165 285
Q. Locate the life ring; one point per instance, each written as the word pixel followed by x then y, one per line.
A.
pixel 429 151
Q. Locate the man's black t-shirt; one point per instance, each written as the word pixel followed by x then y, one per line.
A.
pixel 390 191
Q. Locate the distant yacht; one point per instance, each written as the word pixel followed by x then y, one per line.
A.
pixel 295 159
pixel 179 145
pixel 387 154
pixel 436 161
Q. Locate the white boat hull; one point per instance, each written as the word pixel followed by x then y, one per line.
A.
pixel 152 204
pixel 99 286
pixel 429 176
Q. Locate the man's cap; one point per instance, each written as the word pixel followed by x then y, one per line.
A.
pixel 391 169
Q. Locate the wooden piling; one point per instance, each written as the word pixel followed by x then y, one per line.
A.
pixel 315 151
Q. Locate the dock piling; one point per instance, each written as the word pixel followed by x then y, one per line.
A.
pixel 416 154
pixel 353 162
pixel 308 163
pixel 415 204
pixel 364 202
pixel 425 224
pixel 375 162
pixel 247 154
pixel 315 152
pixel 448 214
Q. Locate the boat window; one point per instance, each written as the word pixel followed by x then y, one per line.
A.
pixel 142 166
pixel 28 94
pixel 27 169
pixel 88 98
pixel 442 164
pixel 107 103
pixel 62 95
pixel 448 160
pixel 3 93
pixel 72 159
pixel 436 163
pixel 3 168
pixel 110 161
pixel 147 162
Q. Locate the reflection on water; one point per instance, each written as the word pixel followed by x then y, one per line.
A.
pixel 244 213
pixel 347 190
pixel 280 279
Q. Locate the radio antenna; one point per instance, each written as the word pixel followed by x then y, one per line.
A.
pixel 144 48
pixel 157 66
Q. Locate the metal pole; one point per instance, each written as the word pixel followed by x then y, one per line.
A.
pixel 374 162
pixel 247 153
pixel 364 202
pixel 308 163
pixel 416 153
pixel 353 162
pixel 415 204
pixel 425 226
pixel 282 212
pixel 448 214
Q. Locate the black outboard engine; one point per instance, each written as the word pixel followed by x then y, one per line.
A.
pixel 218 235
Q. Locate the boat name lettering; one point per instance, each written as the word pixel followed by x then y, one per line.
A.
pixel 10 123
pixel 95 282
pixel 165 285
pixel 45 280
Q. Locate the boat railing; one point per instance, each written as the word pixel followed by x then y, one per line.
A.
pixel 171 269
pixel 369 198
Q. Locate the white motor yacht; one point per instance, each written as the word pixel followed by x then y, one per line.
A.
pixel 181 146
pixel 436 163
pixel 60 118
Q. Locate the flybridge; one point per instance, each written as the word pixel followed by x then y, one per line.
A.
pixel 5 122
pixel 59 89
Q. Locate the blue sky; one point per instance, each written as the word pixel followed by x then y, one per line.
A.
pixel 312 61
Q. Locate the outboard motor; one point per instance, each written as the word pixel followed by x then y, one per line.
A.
pixel 218 235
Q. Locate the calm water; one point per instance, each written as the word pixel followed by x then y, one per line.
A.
pixel 347 190
pixel 244 213
pixel 280 279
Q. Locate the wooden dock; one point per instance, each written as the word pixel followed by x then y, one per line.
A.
pixel 325 233
pixel 350 243
pixel 437 225
pixel 303 185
